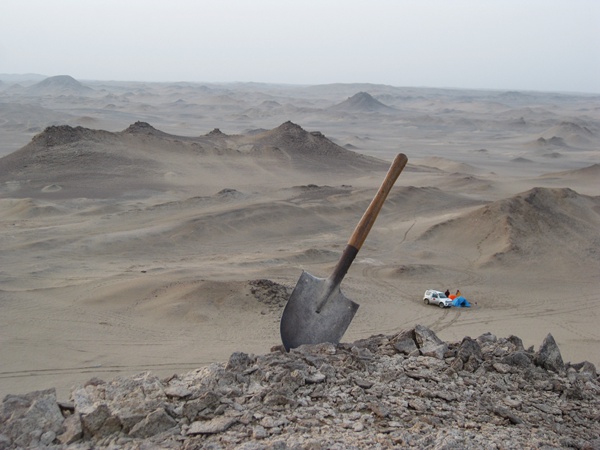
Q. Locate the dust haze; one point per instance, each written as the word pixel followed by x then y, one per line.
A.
pixel 161 226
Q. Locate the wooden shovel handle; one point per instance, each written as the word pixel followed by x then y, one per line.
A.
pixel 366 222
pixel 368 219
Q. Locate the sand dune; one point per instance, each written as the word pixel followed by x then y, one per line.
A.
pixel 448 165
pixel 161 226
pixel 522 230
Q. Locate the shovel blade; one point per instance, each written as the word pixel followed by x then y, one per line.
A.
pixel 303 323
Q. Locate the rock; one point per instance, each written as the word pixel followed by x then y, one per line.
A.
pixel 94 381
pixel 99 421
pixel 156 422
pixel 47 438
pixel 239 361
pixel 259 432
pixel 469 354
pixel 5 442
pixel 405 346
pixel 519 358
pixel 216 425
pixel 487 338
pixel 424 337
pixel 501 368
pixel 588 368
pixel 469 348
pixel 434 350
pixel 548 409
pixel 516 342
pixel 507 414
pixel 282 396
pixel 177 391
pixel 365 384
pixel 205 405
pixel 548 356
pixel 417 404
pixel 72 430
pixel 315 378
pixel 26 418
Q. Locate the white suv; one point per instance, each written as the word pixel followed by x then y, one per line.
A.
pixel 433 297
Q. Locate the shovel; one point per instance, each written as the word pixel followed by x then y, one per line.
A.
pixel 318 311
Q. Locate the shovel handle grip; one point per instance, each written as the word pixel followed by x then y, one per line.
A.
pixel 368 219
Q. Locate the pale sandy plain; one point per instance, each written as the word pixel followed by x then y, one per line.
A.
pixel 132 243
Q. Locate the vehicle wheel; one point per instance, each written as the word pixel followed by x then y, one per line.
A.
pixel 441 305
pixel 426 300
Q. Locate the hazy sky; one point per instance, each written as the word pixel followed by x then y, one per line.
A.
pixel 544 45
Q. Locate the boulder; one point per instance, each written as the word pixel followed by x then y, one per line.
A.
pixel 548 356
pixel 154 423
pixel 30 420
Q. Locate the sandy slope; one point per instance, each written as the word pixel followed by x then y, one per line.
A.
pixel 137 247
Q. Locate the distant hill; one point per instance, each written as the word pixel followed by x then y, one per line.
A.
pixel 361 102
pixel 567 133
pixel 59 85
pixel 539 223
pixel 586 173
pixel 141 154
pixel 310 150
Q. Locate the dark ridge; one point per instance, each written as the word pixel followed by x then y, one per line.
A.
pixel 63 134
pixel 573 127
pixel 290 127
pixel 216 133
pixel 142 128
pixel 521 160
pixel 554 140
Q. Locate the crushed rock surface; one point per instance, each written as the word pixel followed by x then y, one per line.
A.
pixel 408 390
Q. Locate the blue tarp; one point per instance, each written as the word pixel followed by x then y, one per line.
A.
pixel 461 302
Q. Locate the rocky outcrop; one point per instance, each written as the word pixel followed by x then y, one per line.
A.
pixel 409 390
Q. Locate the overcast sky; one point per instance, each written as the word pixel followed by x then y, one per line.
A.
pixel 542 45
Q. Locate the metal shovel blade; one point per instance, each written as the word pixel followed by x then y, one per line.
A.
pixel 305 323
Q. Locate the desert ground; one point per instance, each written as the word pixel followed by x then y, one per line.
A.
pixel 162 226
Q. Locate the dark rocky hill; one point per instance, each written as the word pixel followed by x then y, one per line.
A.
pixel 312 150
pixel 408 390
